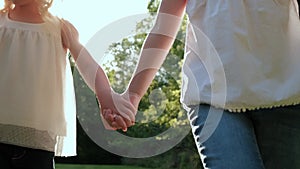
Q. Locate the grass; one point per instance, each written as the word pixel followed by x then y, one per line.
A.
pixel 75 166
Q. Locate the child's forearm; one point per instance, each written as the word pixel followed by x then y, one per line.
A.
pixel 153 54
pixel 91 72
pixel 97 80
pixel 157 45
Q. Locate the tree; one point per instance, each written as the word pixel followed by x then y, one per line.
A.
pixel 160 107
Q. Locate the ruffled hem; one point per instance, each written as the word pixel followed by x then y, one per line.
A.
pixel 242 109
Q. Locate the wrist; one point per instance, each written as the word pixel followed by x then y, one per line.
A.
pixel 103 95
pixel 135 99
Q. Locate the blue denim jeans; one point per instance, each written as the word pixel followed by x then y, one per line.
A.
pixel 15 157
pixel 262 139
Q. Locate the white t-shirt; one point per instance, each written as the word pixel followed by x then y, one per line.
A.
pixel 33 86
pixel 242 55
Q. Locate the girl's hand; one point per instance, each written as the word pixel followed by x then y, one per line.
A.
pixel 115 120
pixel 117 112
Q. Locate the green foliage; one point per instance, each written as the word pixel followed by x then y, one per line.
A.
pixel 88 112
pixel 153 6
pixel 160 107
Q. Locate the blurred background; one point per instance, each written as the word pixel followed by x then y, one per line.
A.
pixel 119 63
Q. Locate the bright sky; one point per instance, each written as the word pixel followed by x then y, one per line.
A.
pixel 89 16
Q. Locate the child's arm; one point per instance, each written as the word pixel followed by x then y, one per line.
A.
pixel 97 80
pixel 157 45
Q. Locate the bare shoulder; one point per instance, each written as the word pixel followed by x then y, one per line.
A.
pixel 69 34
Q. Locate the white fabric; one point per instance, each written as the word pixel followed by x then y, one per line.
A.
pixel 33 78
pixel 257 42
pixel 67 145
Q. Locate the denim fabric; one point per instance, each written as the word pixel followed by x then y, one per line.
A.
pixel 15 157
pixel 262 139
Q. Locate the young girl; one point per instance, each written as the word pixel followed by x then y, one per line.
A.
pixel 240 78
pixel 36 122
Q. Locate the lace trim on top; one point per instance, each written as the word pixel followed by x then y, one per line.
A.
pixel 27 137
pixel 245 109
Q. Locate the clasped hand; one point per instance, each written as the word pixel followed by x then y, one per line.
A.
pixel 119 112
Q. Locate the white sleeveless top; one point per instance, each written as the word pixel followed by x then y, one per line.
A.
pixel 242 55
pixel 33 87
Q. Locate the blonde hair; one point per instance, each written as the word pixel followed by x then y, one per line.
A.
pixel 45 5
